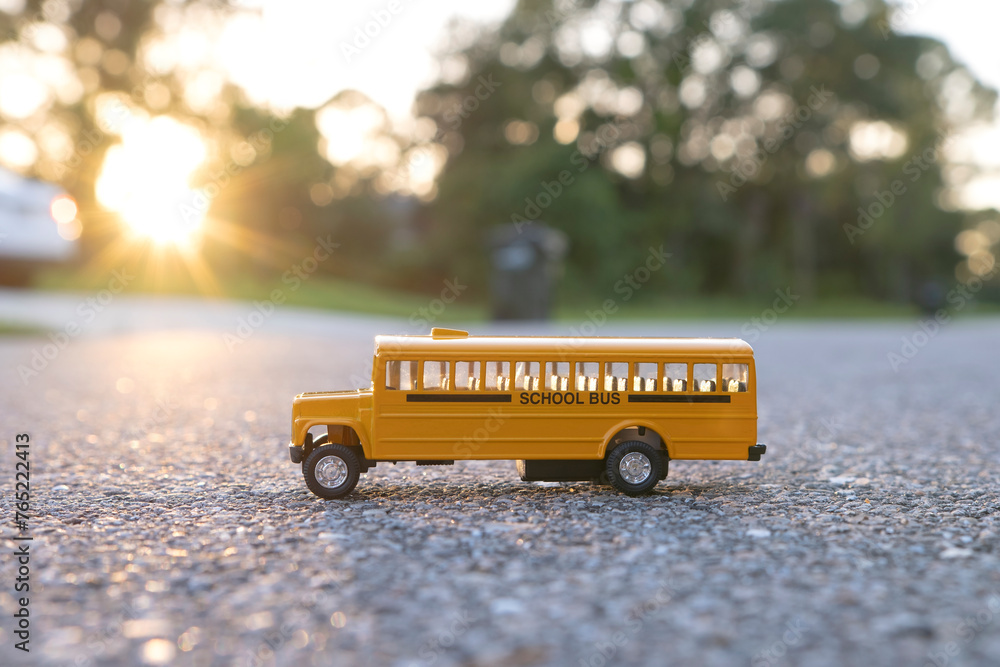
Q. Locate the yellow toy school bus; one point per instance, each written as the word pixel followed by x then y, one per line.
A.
pixel 566 409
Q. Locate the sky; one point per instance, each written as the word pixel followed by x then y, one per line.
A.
pixel 300 53
pixel 387 49
pixel 333 35
pixel 969 29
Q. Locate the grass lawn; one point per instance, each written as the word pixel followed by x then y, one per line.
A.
pixel 728 308
pixel 13 329
pixel 329 293
pixel 320 292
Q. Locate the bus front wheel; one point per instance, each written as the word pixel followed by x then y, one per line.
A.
pixel 634 467
pixel 331 471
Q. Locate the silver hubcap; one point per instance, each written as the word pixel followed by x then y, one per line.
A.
pixel 635 468
pixel 331 471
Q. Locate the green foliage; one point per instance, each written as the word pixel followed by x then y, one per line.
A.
pixel 782 224
pixel 742 113
pixel 260 214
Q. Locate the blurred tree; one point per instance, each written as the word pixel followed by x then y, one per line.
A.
pixel 765 144
pixel 84 73
pixel 86 50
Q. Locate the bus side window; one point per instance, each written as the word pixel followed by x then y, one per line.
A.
pixel 586 375
pixel 392 375
pixel 735 377
pixel 526 375
pixel 705 376
pixel 675 377
pixel 497 376
pixel 467 375
pixel 557 375
pixel 400 375
pixel 645 377
pixel 616 376
pixel 435 375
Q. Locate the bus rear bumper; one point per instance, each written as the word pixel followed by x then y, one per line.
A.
pixel 295 453
pixel 756 451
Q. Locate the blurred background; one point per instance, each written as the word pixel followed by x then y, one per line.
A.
pixel 514 159
pixel 176 177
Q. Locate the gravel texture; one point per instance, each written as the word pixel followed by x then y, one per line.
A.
pixel 170 527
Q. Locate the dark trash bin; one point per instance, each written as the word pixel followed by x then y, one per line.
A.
pixel 525 264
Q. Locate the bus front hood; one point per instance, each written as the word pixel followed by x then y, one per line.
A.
pixel 327 408
pixel 329 404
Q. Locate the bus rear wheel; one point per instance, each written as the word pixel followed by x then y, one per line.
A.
pixel 634 467
pixel 331 471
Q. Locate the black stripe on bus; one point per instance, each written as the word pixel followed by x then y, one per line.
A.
pixel 458 398
pixel 682 398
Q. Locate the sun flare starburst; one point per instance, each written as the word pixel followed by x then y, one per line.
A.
pixel 146 181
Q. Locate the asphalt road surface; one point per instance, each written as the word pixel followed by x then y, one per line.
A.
pixel 169 526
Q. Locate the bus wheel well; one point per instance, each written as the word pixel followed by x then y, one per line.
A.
pixel 345 435
pixel 642 434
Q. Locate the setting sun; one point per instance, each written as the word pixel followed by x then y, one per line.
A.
pixel 146 181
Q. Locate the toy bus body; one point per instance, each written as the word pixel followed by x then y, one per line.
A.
pixel 558 406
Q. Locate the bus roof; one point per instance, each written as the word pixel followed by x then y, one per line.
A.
pixel 456 343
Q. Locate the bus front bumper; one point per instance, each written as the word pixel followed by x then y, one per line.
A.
pixel 756 451
pixel 295 453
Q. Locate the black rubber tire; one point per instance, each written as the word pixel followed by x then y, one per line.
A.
pixel 314 459
pixel 665 464
pixel 655 467
pixel 318 442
